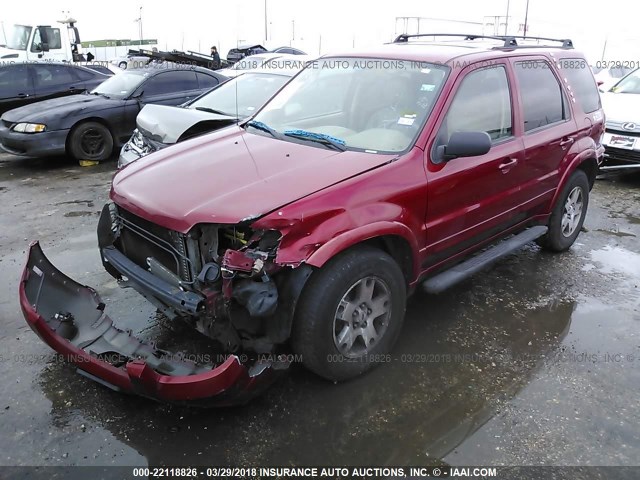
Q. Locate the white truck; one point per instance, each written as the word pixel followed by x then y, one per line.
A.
pixel 42 41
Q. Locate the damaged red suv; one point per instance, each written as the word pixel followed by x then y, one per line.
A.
pixel 306 227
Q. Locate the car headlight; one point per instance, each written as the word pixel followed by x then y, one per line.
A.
pixel 29 128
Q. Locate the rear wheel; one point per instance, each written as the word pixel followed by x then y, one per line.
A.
pixel 350 314
pixel 123 65
pixel 91 141
pixel 568 214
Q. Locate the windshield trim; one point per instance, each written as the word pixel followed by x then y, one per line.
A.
pixel 446 68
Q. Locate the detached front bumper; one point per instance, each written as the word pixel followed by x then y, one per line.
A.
pixel 71 319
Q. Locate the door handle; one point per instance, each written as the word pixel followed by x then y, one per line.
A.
pixel 73 88
pixel 23 95
pixel 508 164
pixel 565 142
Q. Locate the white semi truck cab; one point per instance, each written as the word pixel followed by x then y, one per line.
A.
pixel 44 41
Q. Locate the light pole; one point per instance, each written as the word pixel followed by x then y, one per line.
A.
pixel 265 21
pixel 506 20
pixel 526 19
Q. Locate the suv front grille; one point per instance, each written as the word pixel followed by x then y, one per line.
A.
pixel 140 239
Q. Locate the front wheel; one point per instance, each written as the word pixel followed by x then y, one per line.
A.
pixel 350 314
pixel 568 214
pixel 91 141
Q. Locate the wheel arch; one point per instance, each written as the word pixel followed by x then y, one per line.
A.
pixel 393 238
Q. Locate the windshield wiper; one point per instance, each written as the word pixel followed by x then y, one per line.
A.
pixel 211 110
pixel 263 127
pixel 101 94
pixel 328 140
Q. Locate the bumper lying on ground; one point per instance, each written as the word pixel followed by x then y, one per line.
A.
pixel 70 318
pixel 33 144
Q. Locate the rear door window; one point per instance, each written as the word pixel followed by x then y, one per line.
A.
pixel 582 83
pixel 543 102
pixel 206 81
pixel 52 76
pixel 170 82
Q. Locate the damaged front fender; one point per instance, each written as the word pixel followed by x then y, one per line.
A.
pixel 70 318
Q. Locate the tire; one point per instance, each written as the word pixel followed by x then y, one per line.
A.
pixel 123 65
pixel 562 230
pixel 91 141
pixel 337 289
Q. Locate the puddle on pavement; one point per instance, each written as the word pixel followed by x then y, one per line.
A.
pixel 617 260
pixel 449 374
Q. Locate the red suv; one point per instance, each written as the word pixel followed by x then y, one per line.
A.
pixel 306 227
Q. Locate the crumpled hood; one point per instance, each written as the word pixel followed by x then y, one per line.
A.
pixel 621 107
pixel 229 176
pixel 166 124
pixel 57 108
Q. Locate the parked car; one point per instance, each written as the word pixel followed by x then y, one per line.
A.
pixel 288 50
pixel 309 224
pixel 250 63
pixel 622 136
pixel 131 61
pixel 242 51
pixel 25 83
pixel 608 77
pixel 93 126
pixel 158 126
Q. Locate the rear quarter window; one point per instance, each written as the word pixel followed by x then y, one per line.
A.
pixel 582 83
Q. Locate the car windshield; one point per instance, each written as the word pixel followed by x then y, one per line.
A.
pixel 17 37
pixel 121 85
pixel 241 96
pixel 629 84
pixel 366 104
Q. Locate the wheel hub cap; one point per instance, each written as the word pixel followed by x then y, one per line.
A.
pixel 362 317
pixel 572 212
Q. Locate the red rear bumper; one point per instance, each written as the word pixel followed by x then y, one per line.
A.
pixel 70 318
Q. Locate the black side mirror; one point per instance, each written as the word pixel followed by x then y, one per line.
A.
pixel 44 47
pixel 464 144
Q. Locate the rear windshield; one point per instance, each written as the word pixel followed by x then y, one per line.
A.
pixel 583 85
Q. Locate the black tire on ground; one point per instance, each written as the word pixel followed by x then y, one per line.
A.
pixel 90 141
pixel 341 289
pixel 123 65
pixel 564 224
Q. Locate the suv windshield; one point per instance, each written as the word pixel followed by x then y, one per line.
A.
pixel 121 85
pixel 243 95
pixel 629 84
pixel 18 37
pixel 376 105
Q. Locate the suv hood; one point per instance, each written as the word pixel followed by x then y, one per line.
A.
pixel 621 107
pixel 167 124
pixel 231 176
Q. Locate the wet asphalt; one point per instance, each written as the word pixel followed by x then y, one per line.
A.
pixel 533 362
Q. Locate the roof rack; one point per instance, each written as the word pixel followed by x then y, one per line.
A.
pixel 510 41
